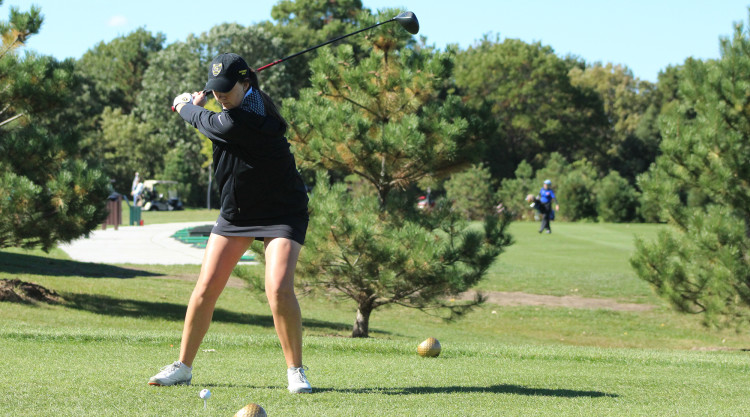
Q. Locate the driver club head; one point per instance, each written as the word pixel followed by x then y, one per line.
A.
pixel 408 21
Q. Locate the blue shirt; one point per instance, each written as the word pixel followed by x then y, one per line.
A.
pixel 546 196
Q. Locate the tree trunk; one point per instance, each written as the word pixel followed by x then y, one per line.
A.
pixel 362 322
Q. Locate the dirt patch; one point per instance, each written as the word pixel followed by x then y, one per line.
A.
pixel 502 298
pixel 569 301
pixel 17 291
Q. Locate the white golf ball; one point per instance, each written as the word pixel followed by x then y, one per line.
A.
pixel 205 394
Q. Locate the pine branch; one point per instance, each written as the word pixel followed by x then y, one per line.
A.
pixel 11 46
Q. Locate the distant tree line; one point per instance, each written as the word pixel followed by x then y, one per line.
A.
pixel 523 103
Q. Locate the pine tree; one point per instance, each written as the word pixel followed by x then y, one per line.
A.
pixel 700 183
pixel 471 192
pixel 388 120
pixel 46 194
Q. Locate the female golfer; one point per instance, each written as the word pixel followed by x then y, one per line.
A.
pixel 262 197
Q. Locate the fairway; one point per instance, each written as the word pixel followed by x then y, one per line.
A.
pixel 93 353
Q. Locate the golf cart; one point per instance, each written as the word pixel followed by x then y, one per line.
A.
pixel 153 196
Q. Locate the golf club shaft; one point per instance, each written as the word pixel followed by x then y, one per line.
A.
pixel 406 19
pixel 278 61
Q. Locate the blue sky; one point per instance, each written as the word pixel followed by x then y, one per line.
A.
pixel 646 36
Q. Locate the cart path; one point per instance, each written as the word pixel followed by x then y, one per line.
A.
pixel 145 245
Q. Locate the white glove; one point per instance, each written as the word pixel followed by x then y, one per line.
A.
pixel 184 98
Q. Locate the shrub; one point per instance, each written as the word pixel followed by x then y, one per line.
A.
pixel 617 200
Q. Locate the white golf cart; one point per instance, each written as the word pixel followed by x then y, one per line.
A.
pixel 153 196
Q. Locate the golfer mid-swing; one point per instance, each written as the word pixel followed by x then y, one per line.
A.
pixel 262 197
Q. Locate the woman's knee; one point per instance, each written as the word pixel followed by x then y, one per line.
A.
pixel 280 292
pixel 281 297
pixel 209 286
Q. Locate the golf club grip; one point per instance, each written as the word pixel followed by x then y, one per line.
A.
pixel 322 44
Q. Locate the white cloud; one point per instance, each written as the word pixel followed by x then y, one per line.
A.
pixel 116 21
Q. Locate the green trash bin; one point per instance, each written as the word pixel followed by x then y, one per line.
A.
pixel 135 215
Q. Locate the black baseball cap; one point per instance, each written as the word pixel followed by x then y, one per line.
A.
pixel 225 71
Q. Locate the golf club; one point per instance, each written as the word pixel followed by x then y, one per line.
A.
pixel 407 20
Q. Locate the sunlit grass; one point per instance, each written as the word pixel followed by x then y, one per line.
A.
pixel 118 324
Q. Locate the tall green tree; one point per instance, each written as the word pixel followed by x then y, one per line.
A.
pixel 112 75
pixel 113 71
pixel 47 193
pixel 701 264
pixel 390 120
pixel 628 143
pixel 124 145
pixel 537 108
pixel 305 23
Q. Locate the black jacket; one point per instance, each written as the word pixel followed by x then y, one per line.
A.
pixel 255 170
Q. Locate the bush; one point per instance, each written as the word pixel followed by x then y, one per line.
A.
pixel 512 192
pixel 577 191
pixel 471 192
pixel 617 200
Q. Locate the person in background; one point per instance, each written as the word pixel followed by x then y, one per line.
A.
pixel 546 195
pixel 136 180
pixel 138 194
pixel 136 188
pixel 535 203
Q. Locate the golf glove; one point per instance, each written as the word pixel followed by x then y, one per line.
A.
pixel 184 98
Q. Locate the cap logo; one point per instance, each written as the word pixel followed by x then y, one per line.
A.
pixel 216 69
pixel 243 72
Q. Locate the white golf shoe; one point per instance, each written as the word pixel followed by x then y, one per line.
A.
pixel 298 381
pixel 175 374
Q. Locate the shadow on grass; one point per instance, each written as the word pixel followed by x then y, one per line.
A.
pixel 18 263
pixel 492 389
pixel 120 307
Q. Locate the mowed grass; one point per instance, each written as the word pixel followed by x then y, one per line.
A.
pixel 93 353
pixel 160 217
pixel 103 373
pixel 584 259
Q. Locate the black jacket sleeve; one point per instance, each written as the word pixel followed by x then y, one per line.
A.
pixel 218 127
pixel 225 127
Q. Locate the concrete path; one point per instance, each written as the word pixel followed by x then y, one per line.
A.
pixel 151 244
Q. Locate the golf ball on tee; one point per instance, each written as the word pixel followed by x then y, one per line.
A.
pixel 205 394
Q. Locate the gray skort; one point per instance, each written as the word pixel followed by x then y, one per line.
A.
pixel 290 227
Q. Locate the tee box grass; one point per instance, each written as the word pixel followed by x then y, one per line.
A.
pixel 93 353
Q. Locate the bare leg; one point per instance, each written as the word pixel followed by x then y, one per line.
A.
pixel 281 259
pixel 221 256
